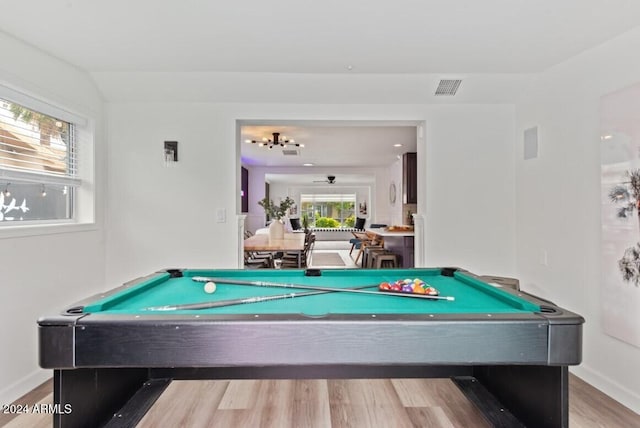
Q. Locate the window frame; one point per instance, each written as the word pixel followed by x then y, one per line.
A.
pixel 313 203
pixel 83 202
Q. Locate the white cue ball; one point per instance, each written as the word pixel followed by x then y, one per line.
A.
pixel 210 287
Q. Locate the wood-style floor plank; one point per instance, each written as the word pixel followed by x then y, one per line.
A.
pixel 240 394
pixel 273 407
pixel 311 404
pixel 591 408
pixel 39 394
pixel 440 394
pixel 32 420
pixel 357 403
pixel 184 407
pixel 365 403
pixel 432 417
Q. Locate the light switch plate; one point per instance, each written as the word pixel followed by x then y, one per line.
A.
pixel 221 215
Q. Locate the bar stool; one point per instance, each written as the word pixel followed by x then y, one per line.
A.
pixel 368 240
pixel 385 260
pixel 363 246
pixel 369 254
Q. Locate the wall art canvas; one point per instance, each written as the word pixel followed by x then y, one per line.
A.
pixel 362 209
pixel 620 199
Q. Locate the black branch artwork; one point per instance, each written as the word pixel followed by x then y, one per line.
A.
pixel 627 195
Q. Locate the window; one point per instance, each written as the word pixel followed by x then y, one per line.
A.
pixel 329 210
pixel 38 164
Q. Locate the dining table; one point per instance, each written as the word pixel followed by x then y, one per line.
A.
pixel 290 243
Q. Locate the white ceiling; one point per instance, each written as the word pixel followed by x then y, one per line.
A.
pixel 302 51
pixel 319 182
pixel 327 144
pixel 303 36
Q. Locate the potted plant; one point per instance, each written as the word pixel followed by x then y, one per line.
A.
pixel 305 222
pixel 276 212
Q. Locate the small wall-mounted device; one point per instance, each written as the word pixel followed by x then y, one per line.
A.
pixel 531 143
pixel 170 152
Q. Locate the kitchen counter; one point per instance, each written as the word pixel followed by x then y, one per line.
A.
pixel 400 242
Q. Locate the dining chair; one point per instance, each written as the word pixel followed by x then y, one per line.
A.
pixel 254 261
pixel 356 241
pixel 290 259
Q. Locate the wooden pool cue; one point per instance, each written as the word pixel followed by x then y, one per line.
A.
pixel 313 287
pixel 231 302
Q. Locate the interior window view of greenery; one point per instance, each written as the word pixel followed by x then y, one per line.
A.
pixel 324 210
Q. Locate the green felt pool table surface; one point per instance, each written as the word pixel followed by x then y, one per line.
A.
pixel 504 348
pixel 471 295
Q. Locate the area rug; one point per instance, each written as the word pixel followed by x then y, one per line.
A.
pixel 326 259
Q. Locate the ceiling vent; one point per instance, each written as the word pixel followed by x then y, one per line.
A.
pixel 290 152
pixel 448 87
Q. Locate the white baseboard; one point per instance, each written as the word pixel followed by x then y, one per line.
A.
pixel 18 389
pixel 614 390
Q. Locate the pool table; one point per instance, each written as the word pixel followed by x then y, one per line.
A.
pixel 113 354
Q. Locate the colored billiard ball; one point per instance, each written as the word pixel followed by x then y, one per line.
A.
pixel 418 289
pixel 210 287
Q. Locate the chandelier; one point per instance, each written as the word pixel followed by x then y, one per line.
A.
pixel 277 140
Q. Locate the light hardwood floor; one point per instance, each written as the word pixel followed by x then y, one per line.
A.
pixel 333 403
pixel 341 247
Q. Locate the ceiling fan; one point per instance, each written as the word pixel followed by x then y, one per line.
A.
pixel 331 179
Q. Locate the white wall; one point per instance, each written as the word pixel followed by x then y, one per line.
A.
pixel 255 218
pixel 470 189
pixel 558 202
pixel 43 273
pixel 161 217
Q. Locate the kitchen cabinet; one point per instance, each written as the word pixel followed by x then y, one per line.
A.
pixel 410 178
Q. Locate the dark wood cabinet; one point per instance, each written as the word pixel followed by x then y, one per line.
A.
pixel 410 178
pixel 402 246
pixel 244 187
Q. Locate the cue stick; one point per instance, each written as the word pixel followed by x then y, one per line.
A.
pixel 231 302
pixel 313 287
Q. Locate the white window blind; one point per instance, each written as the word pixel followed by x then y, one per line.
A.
pixel 36 147
pixel 328 197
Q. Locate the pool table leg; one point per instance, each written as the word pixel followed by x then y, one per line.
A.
pixel 537 395
pixel 91 397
